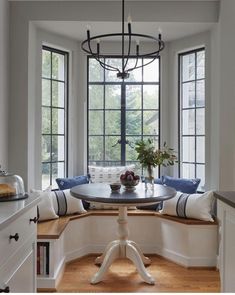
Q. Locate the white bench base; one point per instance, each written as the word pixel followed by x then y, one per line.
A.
pixel 184 244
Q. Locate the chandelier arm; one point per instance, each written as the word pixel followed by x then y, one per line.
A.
pixel 106 67
pixel 136 62
pixel 135 66
pixel 128 53
pixel 89 46
pixel 141 66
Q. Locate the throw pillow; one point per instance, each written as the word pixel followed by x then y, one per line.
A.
pixel 108 174
pixel 64 203
pixel 197 206
pixel 67 183
pixel 158 180
pixel 45 208
pixel 184 185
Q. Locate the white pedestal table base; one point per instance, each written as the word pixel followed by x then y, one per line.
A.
pixel 123 248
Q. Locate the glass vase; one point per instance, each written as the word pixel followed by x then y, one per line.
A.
pixel 149 179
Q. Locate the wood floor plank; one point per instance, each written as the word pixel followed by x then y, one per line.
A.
pixel 123 277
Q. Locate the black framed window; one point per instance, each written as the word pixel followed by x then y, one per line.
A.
pixel 192 115
pixel 54 129
pixel 121 112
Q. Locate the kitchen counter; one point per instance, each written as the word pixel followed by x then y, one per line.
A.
pixel 226 218
pixel 226 197
pixel 10 211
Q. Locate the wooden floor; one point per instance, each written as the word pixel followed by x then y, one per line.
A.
pixel 123 277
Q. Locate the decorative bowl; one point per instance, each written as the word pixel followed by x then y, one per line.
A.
pixel 130 184
pixel 115 187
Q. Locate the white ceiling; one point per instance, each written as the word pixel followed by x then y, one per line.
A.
pixel 77 30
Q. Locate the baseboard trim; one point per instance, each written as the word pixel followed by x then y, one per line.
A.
pixel 185 260
pixel 44 283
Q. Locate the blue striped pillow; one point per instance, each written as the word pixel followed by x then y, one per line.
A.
pixel 197 206
pixel 64 203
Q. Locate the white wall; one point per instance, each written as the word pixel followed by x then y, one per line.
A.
pixel 4 79
pixel 227 95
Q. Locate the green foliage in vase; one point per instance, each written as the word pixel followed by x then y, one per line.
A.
pixel 149 156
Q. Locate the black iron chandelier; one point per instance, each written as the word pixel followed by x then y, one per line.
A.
pixel 92 46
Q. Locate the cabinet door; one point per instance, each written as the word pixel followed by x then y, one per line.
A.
pixel 228 252
pixel 23 279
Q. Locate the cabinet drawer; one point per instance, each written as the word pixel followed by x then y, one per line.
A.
pixel 21 227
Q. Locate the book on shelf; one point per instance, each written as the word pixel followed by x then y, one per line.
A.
pixel 43 258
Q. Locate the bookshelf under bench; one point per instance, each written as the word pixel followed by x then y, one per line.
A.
pixel 50 253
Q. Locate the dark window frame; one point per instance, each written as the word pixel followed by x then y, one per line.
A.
pixel 65 109
pixel 123 112
pixel 180 109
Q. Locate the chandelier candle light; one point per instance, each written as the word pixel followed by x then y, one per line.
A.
pixel 92 46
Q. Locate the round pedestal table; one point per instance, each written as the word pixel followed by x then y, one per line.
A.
pixel 122 247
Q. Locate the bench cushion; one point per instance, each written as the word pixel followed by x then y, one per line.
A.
pixel 53 229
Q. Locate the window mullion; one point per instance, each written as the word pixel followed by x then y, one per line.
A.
pixel 123 123
pixel 51 122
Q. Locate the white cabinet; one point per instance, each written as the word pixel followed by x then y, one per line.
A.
pixel 18 251
pixel 226 215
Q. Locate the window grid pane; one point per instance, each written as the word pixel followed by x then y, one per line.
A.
pixel 192 115
pixel 120 113
pixel 54 115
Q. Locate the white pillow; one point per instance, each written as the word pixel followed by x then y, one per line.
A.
pixel 46 210
pixel 108 174
pixel 57 203
pixel 196 206
pixel 64 203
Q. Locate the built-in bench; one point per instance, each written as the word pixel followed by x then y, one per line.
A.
pixel 189 242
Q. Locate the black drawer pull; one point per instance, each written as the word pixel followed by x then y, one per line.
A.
pixel 5 290
pixel 16 237
pixel 35 219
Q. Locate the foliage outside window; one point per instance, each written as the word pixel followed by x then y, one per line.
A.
pixel 54 115
pixel 121 112
pixel 192 115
